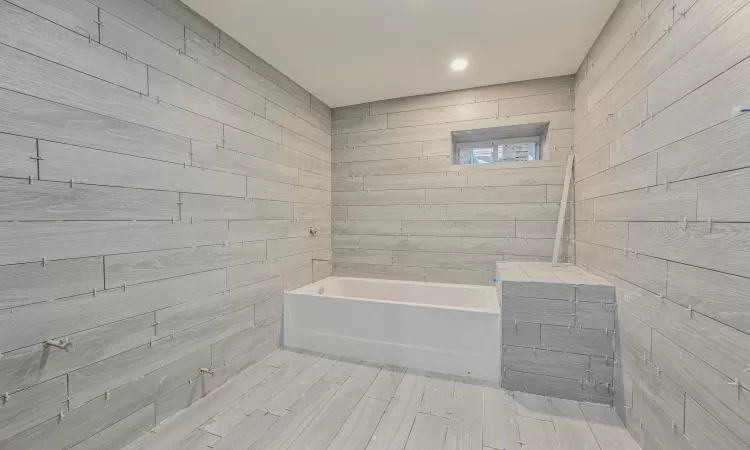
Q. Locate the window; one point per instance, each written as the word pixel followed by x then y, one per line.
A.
pixel 502 144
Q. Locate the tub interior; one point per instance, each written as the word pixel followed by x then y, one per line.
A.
pixel 438 294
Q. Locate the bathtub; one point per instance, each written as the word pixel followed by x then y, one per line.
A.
pixel 447 328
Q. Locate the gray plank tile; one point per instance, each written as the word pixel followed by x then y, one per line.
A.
pixel 717 248
pixel 686 158
pixel 24 284
pixel 177 400
pixel 657 423
pixel 31 116
pixel 212 207
pixel 550 363
pixel 428 432
pixel 555 387
pixel 27 366
pixel 342 370
pixel 269 309
pixel 323 428
pixel 501 211
pixel 581 341
pixel 714 294
pixel 250 273
pixel 100 413
pixel 16 154
pixel 531 405
pixel 525 88
pixel 123 432
pixel 248 58
pixel 704 431
pixel 24 30
pixel 32 241
pixel 649 380
pixel 660 203
pixel 89 381
pixel 438 394
pixel 59 84
pixel 458 276
pixel 396 424
pixel 500 420
pixel 248 431
pixel 190 313
pixel 76 15
pixel 284 118
pixel 178 93
pixel 320 107
pixel 197 440
pixel 272 190
pixel 378 271
pixel 677 122
pixel 571 427
pixel 307 145
pixel 293 422
pixel 715 192
pixel 712 56
pixel 378 152
pixel 550 312
pixel 171 431
pixel 538 434
pixel 608 234
pixel 386 383
pixel 181 13
pixel 283 400
pixel 148 266
pixel 124 37
pixel 296 245
pixel 704 384
pixel 466 420
pixel 591 315
pixel 145 17
pixel 517 177
pixel 645 271
pixel 23 327
pixel 533 104
pixel 638 173
pixel 417 102
pixel 469 111
pixel 521 334
pixel 455 228
pixel 356 432
pixel 354 124
pixel 65 162
pixel 32 406
pixel 55 201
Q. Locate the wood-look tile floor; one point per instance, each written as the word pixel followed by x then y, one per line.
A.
pixel 300 400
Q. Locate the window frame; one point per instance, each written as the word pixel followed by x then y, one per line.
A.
pixel 495 143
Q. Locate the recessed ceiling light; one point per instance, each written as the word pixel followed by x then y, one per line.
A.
pixel 459 64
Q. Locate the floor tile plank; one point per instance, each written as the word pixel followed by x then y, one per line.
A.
pixel 607 427
pixel 537 434
pixel 572 429
pixel 323 428
pixel 428 432
pixel 386 383
pixel 465 429
pixel 395 426
pixel 356 432
pixel 438 394
pixel 286 430
pixel 500 419
pixel 247 432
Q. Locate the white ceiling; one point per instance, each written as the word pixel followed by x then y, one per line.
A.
pixel 354 51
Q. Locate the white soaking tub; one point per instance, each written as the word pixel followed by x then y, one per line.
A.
pixel 447 328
